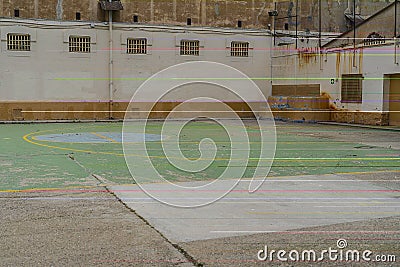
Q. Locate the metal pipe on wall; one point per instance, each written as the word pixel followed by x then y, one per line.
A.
pixel 319 23
pixel 395 32
pixel 111 81
pixel 320 34
pixel 275 8
pixel 297 24
pixel 354 34
pixel 271 55
pixel 395 19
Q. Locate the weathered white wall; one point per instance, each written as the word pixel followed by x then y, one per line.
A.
pixel 49 72
pixel 373 62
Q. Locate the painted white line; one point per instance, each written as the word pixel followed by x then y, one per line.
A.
pixel 356 207
pixel 308 232
pixel 261 198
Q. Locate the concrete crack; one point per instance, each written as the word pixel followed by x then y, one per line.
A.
pixel 103 182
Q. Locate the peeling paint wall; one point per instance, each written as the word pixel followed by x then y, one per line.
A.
pixel 293 68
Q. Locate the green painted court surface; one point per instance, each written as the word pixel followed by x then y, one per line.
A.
pixel 33 157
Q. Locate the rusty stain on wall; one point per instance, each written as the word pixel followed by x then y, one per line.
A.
pixel 46 110
pixel 360 60
pixel 308 55
pixel 361 117
pixel 332 105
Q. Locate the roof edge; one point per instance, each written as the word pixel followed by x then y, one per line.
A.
pixel 362 23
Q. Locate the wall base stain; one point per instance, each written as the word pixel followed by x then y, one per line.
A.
pixel 307 111
pixel 30 111
pixel 361 117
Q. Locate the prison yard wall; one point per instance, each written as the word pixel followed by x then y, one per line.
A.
pixel 48 81
pixel 61 70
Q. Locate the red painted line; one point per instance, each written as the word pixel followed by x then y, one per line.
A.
pixel 141 261
pixel 371 238
pixel 339 232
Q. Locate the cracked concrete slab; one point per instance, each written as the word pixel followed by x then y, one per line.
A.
pixel 281 204
pixel 79 229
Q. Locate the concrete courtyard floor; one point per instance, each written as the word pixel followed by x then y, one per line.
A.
pixel 117 225
pixel 280 204
pixel 96 229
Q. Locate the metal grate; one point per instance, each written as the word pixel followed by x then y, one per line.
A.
pixel 18 42
pixel 79 44
pixel 374 41
pixel 239 49
pixel 190 47
pixel 137 46
pixel 352 88
pixel 374 38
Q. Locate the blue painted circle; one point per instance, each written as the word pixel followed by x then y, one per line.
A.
pixel 97 137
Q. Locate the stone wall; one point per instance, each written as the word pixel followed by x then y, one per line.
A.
pixel 215 13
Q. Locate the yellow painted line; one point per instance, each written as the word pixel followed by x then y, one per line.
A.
pixel 31 136
pixel 44 189
pixel 60 188
pixel 192 142
pixel 104 137
pixel 28 136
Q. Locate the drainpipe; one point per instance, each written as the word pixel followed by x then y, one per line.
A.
pixel 395 18
pixel 275 8
pixel 354 34
pixel 110 75
pixel 297 24
pixel 320 34
pixel 320 24
pixel 271 57
pixel 395 32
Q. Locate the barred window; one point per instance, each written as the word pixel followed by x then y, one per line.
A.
pixel 239 49
pixel 79 44
pixel 18 42
pixel 137 46
pixel 352 88
pixel 374 39
pixel 190 47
